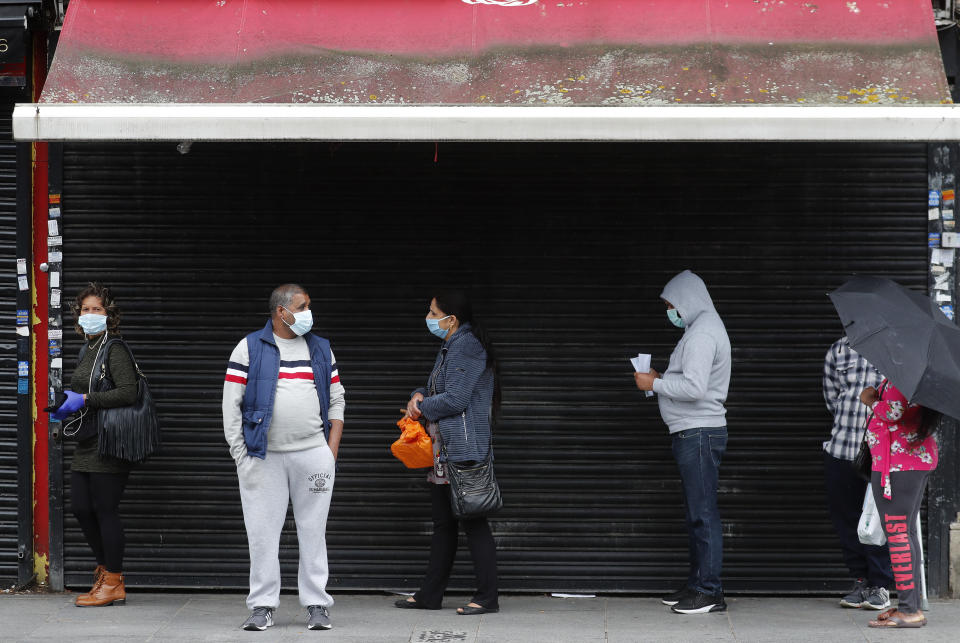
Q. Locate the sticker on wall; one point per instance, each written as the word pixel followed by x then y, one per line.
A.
pixel 21 266
pixel 943 297
pixel 23 386
pixel 933 214
pixel 948 196
pixel 951 240
pixel 55 333
pixel 56 362
pixel 55 256
pixel 54 279
pixel 948 213
pixel 933 240
pixel 23 368
pixel 949 225
pixel 54 241
pixel 23 316
pixel 933 198
pixel 22 282
pixel 54 348
pixel 55 199
pixel 53 228
pixel 54 212
pixel 942 256
pixel 55 297
pixel 948 311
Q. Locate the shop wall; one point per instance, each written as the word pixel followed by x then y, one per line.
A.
pixel 566 248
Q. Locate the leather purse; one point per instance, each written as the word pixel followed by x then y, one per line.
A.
pixel 474 491
pixel 132 432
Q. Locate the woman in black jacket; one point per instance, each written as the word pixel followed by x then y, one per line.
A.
pixel 97 482
pixel 457 402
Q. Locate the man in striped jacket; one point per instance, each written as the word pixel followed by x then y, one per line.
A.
pixel 283 407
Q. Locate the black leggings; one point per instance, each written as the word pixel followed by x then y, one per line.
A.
pixel 443 550
pixel 95 500
pixel 899 516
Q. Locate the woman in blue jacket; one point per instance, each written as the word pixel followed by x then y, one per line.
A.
pixel 457 403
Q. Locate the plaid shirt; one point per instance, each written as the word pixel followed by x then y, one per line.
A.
pixel 845 375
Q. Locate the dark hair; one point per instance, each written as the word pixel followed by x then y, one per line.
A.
pixel 96 289
pixel 457 303
pixel 929 420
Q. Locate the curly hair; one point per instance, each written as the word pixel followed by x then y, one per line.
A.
pixel 102 292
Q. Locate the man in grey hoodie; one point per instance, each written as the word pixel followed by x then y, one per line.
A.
pixel 691 394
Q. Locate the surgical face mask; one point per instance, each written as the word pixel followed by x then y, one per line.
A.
pixel 675 319
pixel 302 321
pixel 93 324
pixel 434 326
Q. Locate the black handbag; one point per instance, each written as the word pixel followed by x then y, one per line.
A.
pixel 132 432
pixel 863 463
pixel 474 491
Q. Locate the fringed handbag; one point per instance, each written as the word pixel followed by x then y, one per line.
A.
pixel 132 432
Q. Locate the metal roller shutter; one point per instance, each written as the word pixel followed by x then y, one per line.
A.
pixel 567 247
pixel 8 346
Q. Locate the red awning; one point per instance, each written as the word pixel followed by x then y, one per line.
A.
pixel 491 52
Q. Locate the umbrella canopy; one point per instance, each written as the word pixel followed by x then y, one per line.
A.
pixel 906 336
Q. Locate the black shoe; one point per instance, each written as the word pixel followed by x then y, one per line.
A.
pixel 677 596
pixel 700 603
pixel 404 604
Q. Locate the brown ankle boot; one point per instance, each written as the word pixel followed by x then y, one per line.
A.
pixel 109 591
pixel 97 573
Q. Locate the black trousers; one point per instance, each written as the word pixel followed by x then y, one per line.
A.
pixel 95 501
pixel 899 516
pixel 443 550
pixel 845 491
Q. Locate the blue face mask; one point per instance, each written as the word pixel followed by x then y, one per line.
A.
pixel 302 321
pixel 434 326
pixel 674 315
pixel 93 324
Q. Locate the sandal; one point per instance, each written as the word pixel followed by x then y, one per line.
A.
pixel 412 604
pixel 899 619
pixel 470 610
pixel 885 614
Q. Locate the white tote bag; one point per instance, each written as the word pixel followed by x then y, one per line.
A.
pixel 870 530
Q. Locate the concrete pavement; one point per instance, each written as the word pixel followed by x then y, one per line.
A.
pixel 371 618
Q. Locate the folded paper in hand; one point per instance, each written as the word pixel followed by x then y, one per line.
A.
pixel 641 364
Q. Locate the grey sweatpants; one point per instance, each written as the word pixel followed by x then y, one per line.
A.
pixel 266 487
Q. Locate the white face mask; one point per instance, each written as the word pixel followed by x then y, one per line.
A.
pixel 92 324
pixel 302 321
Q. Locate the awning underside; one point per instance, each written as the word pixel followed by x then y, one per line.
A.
pixel 492 52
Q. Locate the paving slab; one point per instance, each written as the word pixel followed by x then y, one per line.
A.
pixel 371 618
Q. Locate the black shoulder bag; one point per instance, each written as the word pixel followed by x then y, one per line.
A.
pixel 474 491
pixel 132 432
pixel 863 463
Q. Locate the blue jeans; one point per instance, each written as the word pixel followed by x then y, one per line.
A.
pixel 698 453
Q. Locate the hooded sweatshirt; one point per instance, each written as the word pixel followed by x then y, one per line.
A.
pixel 694 387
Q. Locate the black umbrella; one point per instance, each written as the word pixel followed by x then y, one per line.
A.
pixel 906 336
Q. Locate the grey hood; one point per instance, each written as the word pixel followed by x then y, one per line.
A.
pixel 689 296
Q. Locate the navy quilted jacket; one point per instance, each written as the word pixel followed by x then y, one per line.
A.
pixel 458 397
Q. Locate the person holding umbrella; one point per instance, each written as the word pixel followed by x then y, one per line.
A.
pixel 906 336
pixel 904 452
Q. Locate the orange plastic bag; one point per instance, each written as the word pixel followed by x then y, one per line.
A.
pixel 414 447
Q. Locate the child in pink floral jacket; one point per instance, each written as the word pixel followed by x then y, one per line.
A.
pixel 892 436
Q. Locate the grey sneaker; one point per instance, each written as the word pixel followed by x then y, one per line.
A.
pixel 319 618
pixel 876 598
pixel 854 597
pixel 260 619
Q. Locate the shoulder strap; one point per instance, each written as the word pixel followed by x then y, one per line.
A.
pixel 106 356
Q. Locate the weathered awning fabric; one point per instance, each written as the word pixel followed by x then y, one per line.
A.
pixel 466 69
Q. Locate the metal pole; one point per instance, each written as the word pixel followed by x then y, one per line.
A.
pixel 924 604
